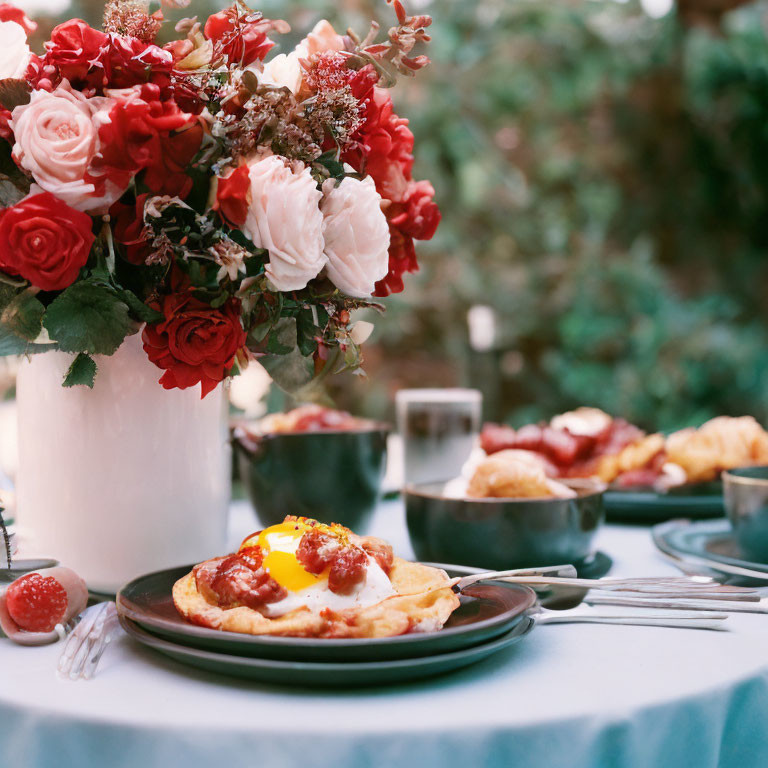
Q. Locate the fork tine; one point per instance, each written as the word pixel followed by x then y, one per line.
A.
pixel 93 637
pixel 97 652
pixel 71 659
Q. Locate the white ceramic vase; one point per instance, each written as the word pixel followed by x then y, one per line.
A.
pixel 123 479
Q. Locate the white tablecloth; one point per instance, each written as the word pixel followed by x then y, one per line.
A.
pixel 575 696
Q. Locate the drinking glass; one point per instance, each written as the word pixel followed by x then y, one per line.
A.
pixel 439 429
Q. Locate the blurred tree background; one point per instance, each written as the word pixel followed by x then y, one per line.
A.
pixel 603 177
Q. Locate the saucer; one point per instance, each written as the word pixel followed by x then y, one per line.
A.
pixel 20 567
pixel 652 507
pixel 709 543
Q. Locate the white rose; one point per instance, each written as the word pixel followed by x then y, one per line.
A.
pixel 285 71
pixel 14 51
pixel 356 235
pixel 284 217
pixel 57 140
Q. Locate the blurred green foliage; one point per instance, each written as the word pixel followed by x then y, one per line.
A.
pixel 604 183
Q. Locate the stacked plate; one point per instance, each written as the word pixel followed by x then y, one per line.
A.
pixel 708 546
pixel 492 617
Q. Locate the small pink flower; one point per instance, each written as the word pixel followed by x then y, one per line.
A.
pixel 356 235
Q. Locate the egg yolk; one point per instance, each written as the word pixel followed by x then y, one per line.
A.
pixel 279 544
pixel 287 571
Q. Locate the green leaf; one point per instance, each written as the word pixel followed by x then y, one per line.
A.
pixel 289 369
pixel 14 185
pixel 291 372
pixel 23 315
pixel 276 347
pixel 81 372
pixel 141 311
pixel 11 344
pixel 90 318
pixel 330 160
pixel 306 331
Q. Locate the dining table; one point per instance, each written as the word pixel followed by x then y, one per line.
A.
pixel 566 695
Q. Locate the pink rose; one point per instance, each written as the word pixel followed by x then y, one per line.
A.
pixel 322 38
pixel 57 140
pixel 284 217
pixel 356 235
pixel 14 51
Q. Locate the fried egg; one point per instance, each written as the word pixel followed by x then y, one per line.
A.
pixel 309 590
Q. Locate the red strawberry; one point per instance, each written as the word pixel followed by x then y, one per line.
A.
pixel 36 603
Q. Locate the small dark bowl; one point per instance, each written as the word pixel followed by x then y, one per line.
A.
pixel 332 476
pixel 745 491
pixel 503 533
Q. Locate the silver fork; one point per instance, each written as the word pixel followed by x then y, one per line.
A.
pixel 586 614
pixel 86 644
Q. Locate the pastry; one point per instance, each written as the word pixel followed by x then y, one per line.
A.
pixel 306 579
pixel 722 443
pixel 514 474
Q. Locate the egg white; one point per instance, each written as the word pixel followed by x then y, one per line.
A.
pixel 373 589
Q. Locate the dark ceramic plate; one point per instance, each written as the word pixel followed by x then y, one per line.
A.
pixel 711 540
pixel 486 612
pixel 695 502
pixel 325 674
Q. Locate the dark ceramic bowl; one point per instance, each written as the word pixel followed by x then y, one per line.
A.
pixel 745 492
pixel 503 533
pixel 332 476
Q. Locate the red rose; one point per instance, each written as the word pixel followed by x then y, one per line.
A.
pixel 384 151
pixel 166 173
pixel 9 12
pixel 128 229
pixel 75 52
pixel 418 215
pixel 132 139
pixel 5 129
pixel 416 218
pixel 402 259
pixel 195 343
pixel 129 62
pixel 232 196
pixel 363 81
pixel 385 147
pixel 93 61
pixel 241 41
pixel 45 241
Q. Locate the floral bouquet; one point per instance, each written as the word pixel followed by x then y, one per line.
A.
pixel 228 206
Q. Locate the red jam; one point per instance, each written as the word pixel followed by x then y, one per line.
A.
pixel 238 580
